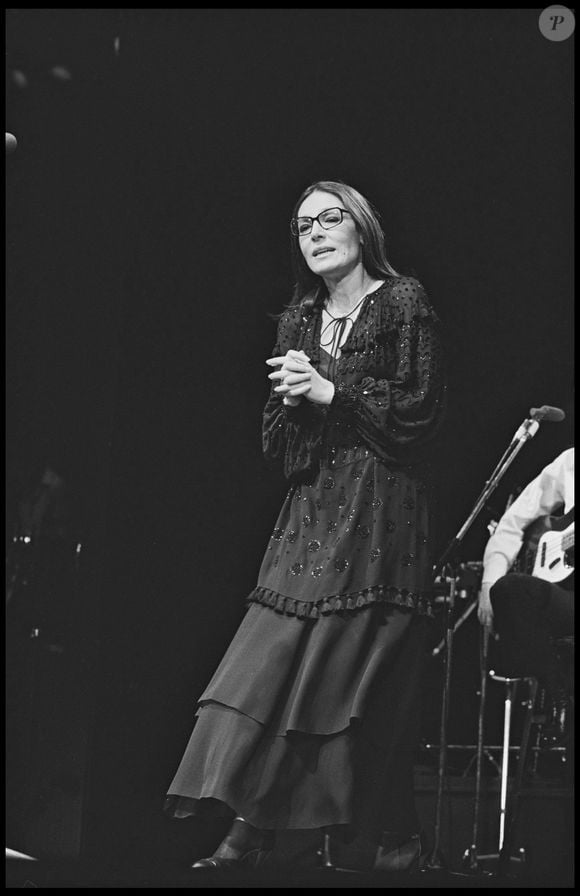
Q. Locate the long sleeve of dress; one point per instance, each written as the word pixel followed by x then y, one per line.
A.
pixel 399 410
pixel 292 436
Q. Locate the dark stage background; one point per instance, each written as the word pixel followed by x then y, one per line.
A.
pixel 159 156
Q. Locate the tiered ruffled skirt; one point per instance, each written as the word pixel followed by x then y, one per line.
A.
pixel 311 719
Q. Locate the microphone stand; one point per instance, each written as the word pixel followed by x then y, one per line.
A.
pixel 435 860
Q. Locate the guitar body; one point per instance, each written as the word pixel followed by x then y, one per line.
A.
pixel 548 550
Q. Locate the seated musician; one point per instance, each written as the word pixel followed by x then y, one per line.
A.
pixel 528 609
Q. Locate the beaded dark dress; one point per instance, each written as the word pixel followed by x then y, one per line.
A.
pixel 309 719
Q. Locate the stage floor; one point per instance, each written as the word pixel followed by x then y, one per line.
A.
pixel 68 875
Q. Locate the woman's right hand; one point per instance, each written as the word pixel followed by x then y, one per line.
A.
pixel 484 607
pixel 280 375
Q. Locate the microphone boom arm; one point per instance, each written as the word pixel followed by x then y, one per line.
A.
pixel 526 431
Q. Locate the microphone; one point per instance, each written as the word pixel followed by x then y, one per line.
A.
pixel 530 426
pixel 547 414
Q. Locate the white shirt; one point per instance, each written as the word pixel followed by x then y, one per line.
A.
pixel 554 486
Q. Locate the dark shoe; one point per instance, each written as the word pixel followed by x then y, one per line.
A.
pixel 399 855
pixel 241 848
pixel 218 863
pixel 344 851
pixel 396 852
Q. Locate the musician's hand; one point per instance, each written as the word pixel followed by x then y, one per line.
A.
pixel 484 607
pixel 297 377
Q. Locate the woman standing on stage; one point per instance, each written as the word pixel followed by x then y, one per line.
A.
pixel 310 721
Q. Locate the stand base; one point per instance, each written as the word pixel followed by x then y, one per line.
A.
pixel 434 861
pixel 495 864
pixel 472 863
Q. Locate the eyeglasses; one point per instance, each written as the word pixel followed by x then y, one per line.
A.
pixel 329 218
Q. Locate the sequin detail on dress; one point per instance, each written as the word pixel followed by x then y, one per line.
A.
pixel 355 516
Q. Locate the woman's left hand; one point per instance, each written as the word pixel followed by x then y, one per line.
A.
pixel 298 377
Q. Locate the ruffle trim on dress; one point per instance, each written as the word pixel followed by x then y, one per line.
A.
pixel 339 603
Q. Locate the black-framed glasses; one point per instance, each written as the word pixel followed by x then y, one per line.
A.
pixel 329 218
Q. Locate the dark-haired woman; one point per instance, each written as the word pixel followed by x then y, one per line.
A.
pixel 310 721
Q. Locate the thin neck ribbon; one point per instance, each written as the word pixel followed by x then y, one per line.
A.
pixel 339 325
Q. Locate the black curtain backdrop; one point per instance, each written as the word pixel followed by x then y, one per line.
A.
pixel 148 207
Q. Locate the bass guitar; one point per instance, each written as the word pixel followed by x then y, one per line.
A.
pixel 548 549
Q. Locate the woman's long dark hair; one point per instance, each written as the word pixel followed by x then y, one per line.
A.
pixel 309 288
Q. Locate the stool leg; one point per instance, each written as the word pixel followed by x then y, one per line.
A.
pixel 506 848
pixel 509 699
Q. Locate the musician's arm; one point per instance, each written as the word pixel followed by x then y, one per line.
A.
pixel 539 498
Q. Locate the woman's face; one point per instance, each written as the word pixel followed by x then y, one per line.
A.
pixel 329 253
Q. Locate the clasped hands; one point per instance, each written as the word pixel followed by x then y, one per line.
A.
pixel 298 379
